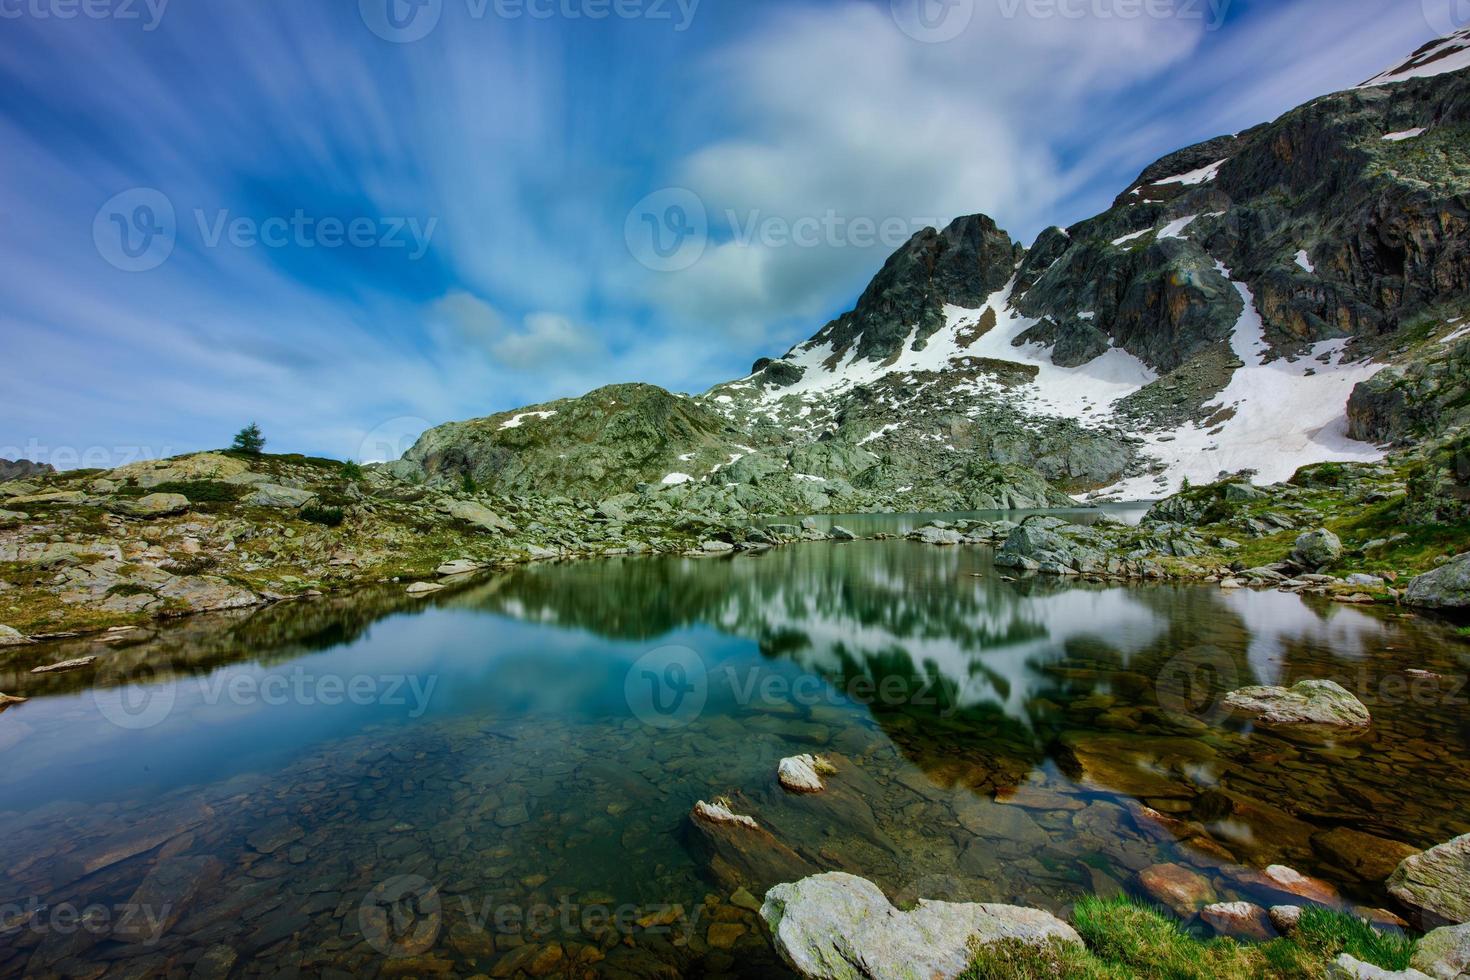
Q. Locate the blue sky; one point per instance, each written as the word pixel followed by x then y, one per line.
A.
pixel 348 225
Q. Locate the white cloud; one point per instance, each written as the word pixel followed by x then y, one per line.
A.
pixel 834 110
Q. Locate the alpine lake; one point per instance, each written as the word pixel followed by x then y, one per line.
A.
pixel 496 780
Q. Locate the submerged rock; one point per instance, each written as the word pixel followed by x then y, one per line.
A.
pixel 1177 888
pixel 1446 587
pixel 1240 919
pixel 740 852
pixel 837 926
pixel 1436 883
pixel 1289 881
pixel 1365 855
pixel 1313 706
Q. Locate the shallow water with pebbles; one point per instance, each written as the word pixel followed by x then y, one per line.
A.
pixel 497 780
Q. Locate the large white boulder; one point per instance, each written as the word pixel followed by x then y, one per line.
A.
pixel 838 926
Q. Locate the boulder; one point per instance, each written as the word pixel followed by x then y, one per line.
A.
pixel 1239 919
pixel 803 773
pixel 1286 918
pixel 1307 707
pixel 183 469
pixel 937 535
pixel 1446 587
pixel 1177 888
pixel 424 588
pixel 65 666
pixel 840 533
pixel 460 566
pixel 1436 883
pixel 1316 549
pixel 274 495
pixel 10 637
pixel 1445 953
pixel 479 515
pixel 837 926
pixel 153 505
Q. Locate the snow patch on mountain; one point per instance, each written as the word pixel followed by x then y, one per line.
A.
pixel 1408 134
pixel 1448 54
pixel 1284 414
pixel 1195 177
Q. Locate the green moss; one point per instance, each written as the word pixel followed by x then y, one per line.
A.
pixel 1127 940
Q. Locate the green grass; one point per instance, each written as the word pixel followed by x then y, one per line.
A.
pixel 1126 940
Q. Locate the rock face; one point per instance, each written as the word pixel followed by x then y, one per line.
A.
pixel 962 265
pixel 1436 883
pixel 837 926
pixel 1307 707
pixel 21 469
pixel 1446 587
pixel 1410 401
pixel 286 498
pixel 154 505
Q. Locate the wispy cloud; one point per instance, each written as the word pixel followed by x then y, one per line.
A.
pixel 517 148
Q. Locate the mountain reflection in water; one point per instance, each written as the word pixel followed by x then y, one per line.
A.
pixel 1025 740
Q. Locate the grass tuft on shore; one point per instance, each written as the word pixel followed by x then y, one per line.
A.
pixel 1128 940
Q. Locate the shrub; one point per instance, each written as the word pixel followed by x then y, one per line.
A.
pixel 351 471
pixel 249 441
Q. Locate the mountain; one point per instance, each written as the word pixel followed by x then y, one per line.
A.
pixel 1257 302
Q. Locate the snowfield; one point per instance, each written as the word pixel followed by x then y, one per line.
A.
pixel 1284 417
pixel 1285 413
pixel 1451 53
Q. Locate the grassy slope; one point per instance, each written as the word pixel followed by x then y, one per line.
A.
pixel 1127 940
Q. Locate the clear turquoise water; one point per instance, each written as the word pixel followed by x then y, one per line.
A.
pixel 518 757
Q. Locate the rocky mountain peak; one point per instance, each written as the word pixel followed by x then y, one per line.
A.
pixel 961 266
